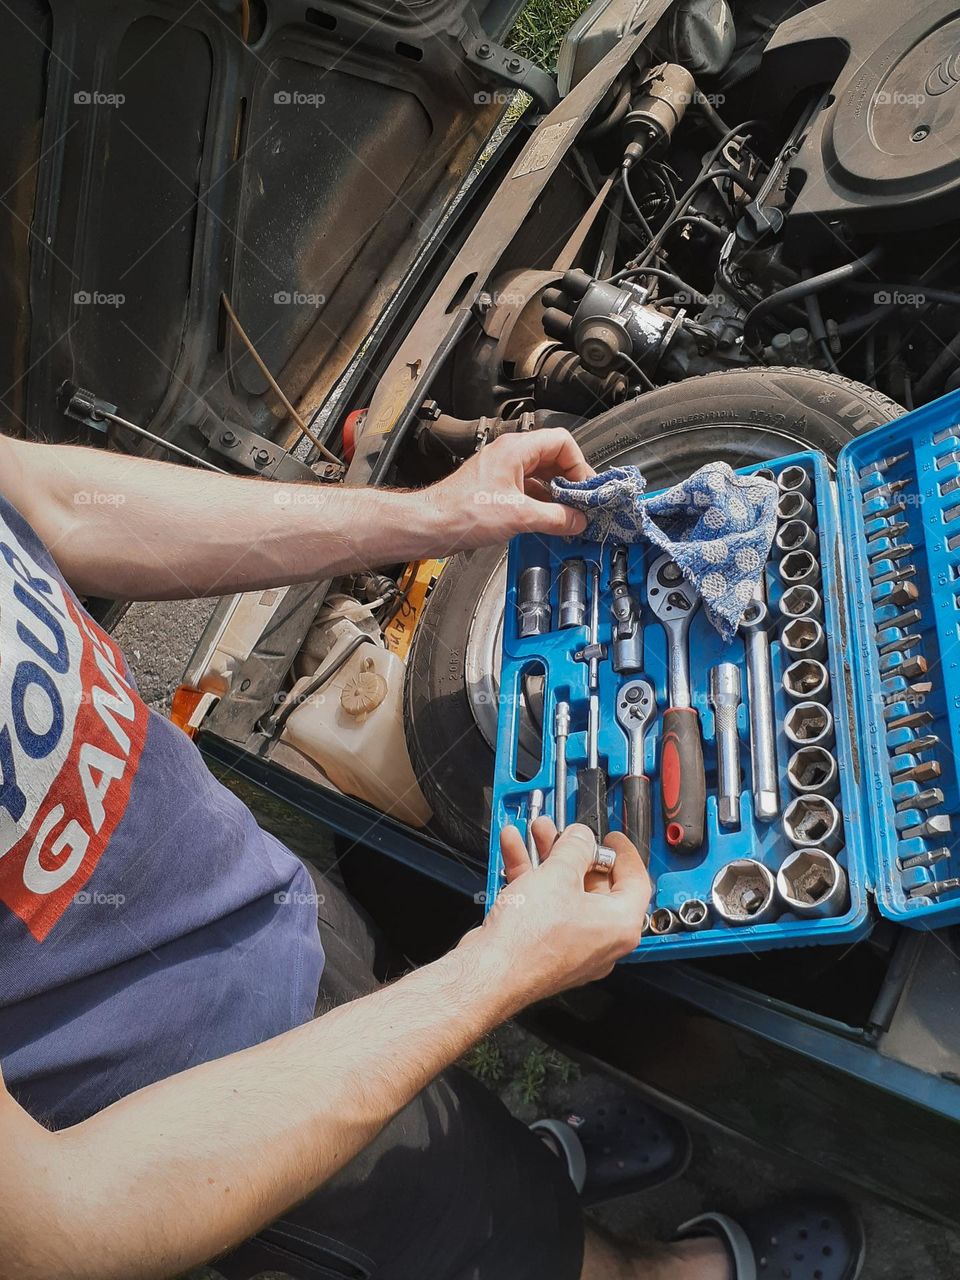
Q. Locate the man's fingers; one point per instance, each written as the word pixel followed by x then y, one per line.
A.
pixel 544 836
pixel 552 452
pixel 513 851
pixel 553 517
pixel 576 848
pixel 629 875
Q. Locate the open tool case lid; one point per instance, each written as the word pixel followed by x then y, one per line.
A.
pixel 860 696
pixel 929 438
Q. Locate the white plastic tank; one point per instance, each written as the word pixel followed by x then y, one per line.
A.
pixel 352 728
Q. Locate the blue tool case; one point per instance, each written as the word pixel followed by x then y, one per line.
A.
pixel 864 581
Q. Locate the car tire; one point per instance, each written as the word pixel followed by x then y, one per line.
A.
pixel 742 417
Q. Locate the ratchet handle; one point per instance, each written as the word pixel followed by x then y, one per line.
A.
pixel 683 789
pixel 636 813
pixel 592 800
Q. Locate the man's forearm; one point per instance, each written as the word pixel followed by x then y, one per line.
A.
pixel 135 529
pixel 189 1166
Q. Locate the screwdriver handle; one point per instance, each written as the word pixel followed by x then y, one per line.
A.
pixel 636 813
pixel 592 800
pixel 683 789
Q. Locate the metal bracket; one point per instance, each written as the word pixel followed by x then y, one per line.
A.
pixel 508 67
pixel 255 453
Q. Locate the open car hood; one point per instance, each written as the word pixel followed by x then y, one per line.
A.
pixel 156 157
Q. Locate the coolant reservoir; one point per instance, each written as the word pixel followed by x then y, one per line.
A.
pixel 352 728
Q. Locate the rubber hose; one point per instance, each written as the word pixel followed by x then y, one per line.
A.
pixel 815 284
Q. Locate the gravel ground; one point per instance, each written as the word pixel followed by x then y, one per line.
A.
pixel 724 1174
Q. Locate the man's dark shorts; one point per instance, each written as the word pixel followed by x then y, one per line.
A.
pixel 452 1189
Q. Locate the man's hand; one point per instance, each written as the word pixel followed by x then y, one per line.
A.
pixel 505 489
pixel 561 924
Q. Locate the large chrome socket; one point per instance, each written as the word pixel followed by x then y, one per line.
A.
pixel 799 568
pixel 801 602
pixel 813 771
pixel 812 884
pixel 795 479
pixel 795 535
pixel 803 638
pixel 744 892
pixel 807 680
pixel 809 724
pixel 812 820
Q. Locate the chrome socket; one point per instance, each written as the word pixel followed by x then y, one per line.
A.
pixel 803 638
pixel 744 892
pixel 533 601
pixel 813 771
pixel 812 884
pixel 812 820
pixel 572 593
pixel 799 567
pixel 801 602
pixel 794 506
pixel 809 724
pixel 795 535
pixel 694 915
pixel 795 480
pixel 664 921
pixel 807 680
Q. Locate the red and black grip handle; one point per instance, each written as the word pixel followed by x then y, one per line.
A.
pixel 683 788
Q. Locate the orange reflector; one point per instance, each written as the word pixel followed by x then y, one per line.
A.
pixel 186 701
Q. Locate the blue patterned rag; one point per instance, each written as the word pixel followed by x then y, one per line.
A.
pixel 718 527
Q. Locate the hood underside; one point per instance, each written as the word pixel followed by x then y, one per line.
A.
pixel 157 157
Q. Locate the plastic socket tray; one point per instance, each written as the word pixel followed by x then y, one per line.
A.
pixel 538 671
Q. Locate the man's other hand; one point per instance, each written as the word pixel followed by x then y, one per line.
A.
pixel 505 489
pixel 562 924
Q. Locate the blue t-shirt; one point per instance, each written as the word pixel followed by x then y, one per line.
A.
pixel 146 922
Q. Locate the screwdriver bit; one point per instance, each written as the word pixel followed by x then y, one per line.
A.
pixel 926 771
pixel 938 825
pixel 900 594
pixel 900 645
pixel 895 575
pixel 889 486
pixel 947 459
pixel 934 888
pixel 929 859
pixel 923 800
pixel 895 553
pixel 916 745
pixel 910 720
pixel 910 667
pixel 888 531
pixel 882 513
pixel 884 464
pixel 909 618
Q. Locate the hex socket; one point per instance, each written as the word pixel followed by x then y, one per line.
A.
pixel 812 884
pixel 807 680
pixel 798 567
pixel 795 479
pixel 809 724
pixel 664 921
pixel 813 770
pixel 812 820
pixel 794 506
pixel 803 638
pixel 795 535
pixel 744 892
pixel 694 915
pixel 801 602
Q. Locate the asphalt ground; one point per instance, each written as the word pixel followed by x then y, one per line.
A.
pixel 724 1174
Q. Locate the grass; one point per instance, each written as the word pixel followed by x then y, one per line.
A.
pixel 540 28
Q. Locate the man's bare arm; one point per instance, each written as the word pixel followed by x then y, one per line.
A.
pixel 140 530
pixel 184 1169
